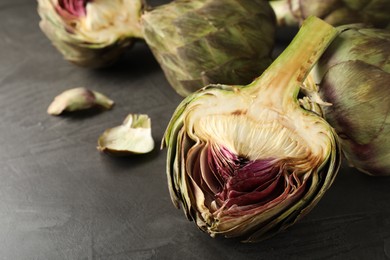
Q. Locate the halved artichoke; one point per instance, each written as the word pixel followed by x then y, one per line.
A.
pixel 354 75
pixel 335 12
pixel 91 33
pixel 210 41
pixel 249 161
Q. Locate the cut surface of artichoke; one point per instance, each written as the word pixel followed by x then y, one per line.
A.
pixel 91 33
pixel 255 132
pixel 295 144
pixel 106 21
pixel 134 136
pixel 249 161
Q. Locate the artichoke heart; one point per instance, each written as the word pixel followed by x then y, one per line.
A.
pixel 91 33
pixel 249 161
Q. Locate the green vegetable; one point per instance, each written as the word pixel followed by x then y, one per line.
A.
pixel 134 136
pixel 91 33
pixel 335 12
pixel 354 76
pixel 78 99
pixel 249 161
pixel 210 41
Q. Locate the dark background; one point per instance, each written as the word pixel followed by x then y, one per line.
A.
pixel 62 199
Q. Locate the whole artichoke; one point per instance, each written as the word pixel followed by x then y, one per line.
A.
pixel 249 161
pixel 335 12
pixel 354 76
pixel 210 41
pixel 91 33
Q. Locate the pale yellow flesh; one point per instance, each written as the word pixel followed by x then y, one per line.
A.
pixel 133 136
pixel 258 131
pixel 106 21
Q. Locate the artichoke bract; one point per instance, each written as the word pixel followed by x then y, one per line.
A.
pixel 354 76
pixel 91 33
pixel 249 161
pixel 76 99
pixel 335 12
pixel 210 41
pixel 134 136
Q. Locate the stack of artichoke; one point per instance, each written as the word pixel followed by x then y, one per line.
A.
pixel 246 157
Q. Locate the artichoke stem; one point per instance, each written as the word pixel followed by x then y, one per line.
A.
pixel 285 75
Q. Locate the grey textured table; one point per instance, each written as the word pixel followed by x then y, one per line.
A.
pixel 62 199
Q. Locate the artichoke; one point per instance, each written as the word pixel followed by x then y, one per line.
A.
pixel 210 41
pixel 354 75
pixel 91 33
pixel 335 12
pixel 249 161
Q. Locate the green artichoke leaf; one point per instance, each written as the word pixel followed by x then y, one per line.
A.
pixel 133 136
pixel 78 99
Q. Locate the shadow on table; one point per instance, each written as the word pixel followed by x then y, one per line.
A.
pixel 127 161
pixel 136 61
